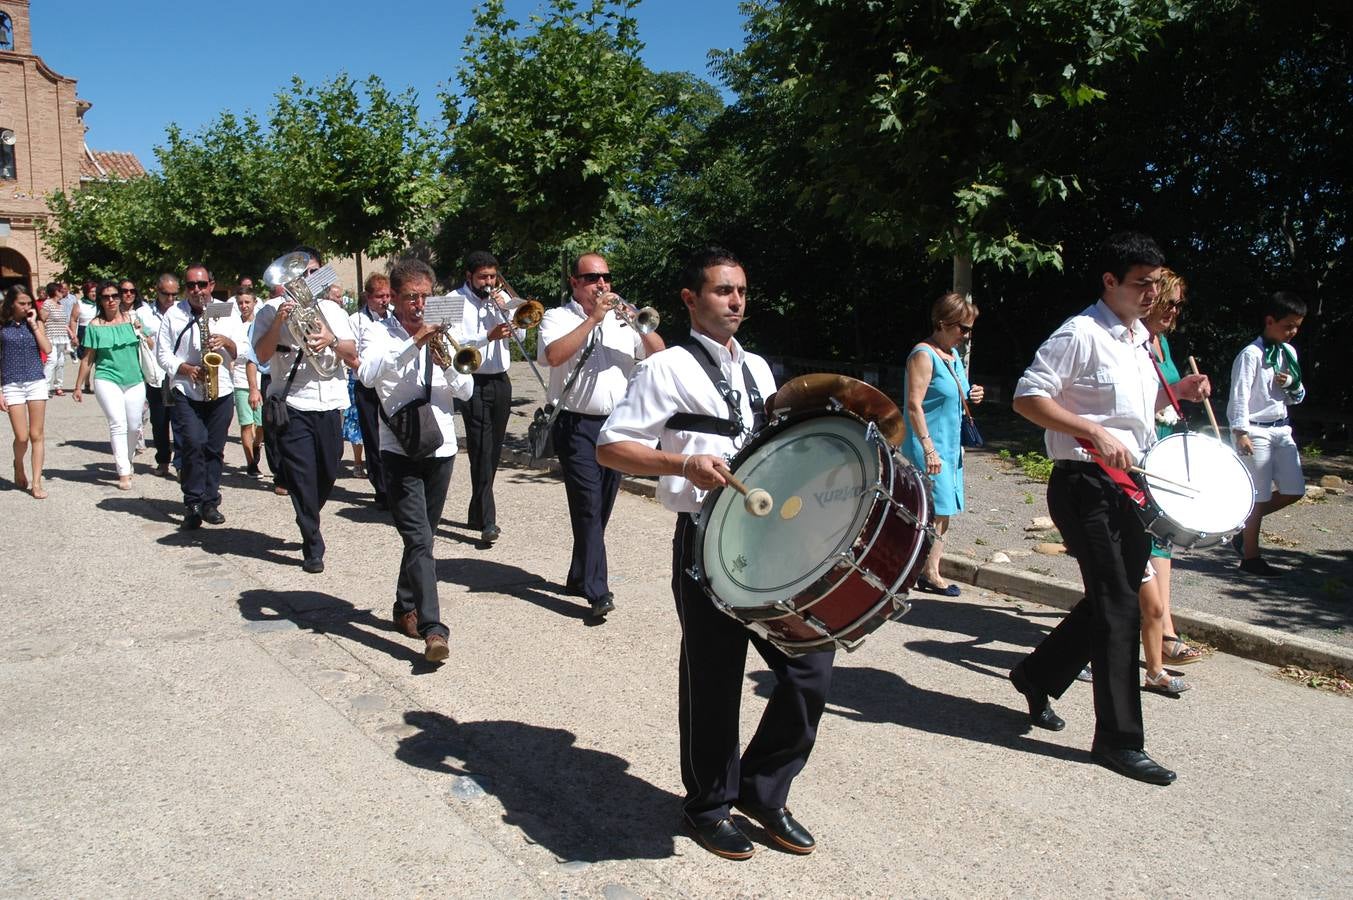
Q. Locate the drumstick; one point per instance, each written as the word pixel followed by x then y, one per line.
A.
pixel 1207 403
pixel 1163 480
pixel 758 502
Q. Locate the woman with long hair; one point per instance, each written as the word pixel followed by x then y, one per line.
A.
pixel 111 349
pixel 934 386
pixel 24 397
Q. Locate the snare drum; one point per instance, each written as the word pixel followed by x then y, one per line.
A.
pixel 845 541
pixel 1221 498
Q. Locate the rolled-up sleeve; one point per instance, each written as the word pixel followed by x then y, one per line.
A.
pixel 1053 365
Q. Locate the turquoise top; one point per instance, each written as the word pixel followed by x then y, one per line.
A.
pixel 1171 377
pixel 943 408
pixel 116 358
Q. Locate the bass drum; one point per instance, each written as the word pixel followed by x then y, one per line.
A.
pixel 845 541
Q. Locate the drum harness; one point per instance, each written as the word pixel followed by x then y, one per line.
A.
pixel 732 427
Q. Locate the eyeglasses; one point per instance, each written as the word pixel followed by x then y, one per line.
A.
pixel 962 329
pixel 127 290
pixel 1173 305
pixel 168 293
pixel 413 296
pixel 594 277
pixel 110 297
pixel 196 284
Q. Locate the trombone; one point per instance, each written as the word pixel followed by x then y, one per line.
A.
pixel 525 313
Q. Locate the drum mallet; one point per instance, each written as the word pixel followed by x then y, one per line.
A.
pixel 1207 403
pixel 758 502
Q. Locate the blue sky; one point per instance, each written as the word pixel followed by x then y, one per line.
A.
pixel 145 64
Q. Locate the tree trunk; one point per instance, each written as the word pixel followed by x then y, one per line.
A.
pixel 360 282
pixel 963 286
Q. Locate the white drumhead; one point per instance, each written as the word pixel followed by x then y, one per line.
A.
pixel 818 472
pixel 1225 491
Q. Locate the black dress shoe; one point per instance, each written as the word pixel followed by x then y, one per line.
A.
pixel 211 515
pixel 1040 710
pixel 313 566
pixel 722 838
pixel 1134 764
pixel 603 604
pixel 782 827
pixel 491 533
pixel 192 519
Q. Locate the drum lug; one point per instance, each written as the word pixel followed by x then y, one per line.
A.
pixel 695 573
pixel 872 580
pixel 871 433
pixel 902 607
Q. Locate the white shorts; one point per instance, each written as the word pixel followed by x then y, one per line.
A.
pixel 1276 459
pixel 23 391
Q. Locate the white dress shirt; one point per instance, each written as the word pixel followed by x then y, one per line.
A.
pixel 1099 369
pixel 601 383
pixel 671 382
pixel 1255 393
pixel 308 391
pixel 481 317
pixel 395 366
pixel 360 321
pixel 180 341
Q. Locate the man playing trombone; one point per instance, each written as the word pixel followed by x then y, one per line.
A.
pixel 584 331
pixel 399 362
pixel 486 327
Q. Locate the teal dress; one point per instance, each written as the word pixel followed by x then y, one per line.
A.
pixel 943 407
pixel 1159 548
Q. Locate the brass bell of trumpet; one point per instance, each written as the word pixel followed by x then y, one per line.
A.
pixel 448 354
pixel 645 321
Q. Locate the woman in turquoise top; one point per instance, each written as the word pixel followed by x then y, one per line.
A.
pixel 934 386
pixel 111 348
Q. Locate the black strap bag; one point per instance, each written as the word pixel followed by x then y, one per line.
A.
pixel 414 424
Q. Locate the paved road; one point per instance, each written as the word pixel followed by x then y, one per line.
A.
pixel 195 715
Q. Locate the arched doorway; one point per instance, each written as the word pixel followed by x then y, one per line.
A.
pixel 14 269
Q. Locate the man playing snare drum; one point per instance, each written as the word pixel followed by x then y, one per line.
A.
pixel 714 645
pixel 1093 386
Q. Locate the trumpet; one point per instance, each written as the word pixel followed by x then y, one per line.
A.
pixel 645 321
pixel 448 354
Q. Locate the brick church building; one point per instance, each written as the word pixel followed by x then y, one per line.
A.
pixel 42 149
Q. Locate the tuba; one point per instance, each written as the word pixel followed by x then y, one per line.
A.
pixel 288 272
pixel 211 381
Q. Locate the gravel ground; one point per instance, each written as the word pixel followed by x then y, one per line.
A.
pixel 1310 541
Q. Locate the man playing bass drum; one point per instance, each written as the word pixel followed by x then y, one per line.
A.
pixel 714 645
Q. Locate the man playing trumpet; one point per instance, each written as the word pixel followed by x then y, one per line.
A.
pixel 310 446
pixel 398 363
pixel 200 421
pixel 566 333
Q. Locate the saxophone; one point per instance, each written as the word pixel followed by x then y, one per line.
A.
pixel 210 360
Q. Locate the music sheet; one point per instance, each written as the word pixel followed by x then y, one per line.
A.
pixel 446 309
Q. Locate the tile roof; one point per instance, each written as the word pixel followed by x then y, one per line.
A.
pixel 103 165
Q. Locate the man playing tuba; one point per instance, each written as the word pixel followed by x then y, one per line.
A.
pixel 308 374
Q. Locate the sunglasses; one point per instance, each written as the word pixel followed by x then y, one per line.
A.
pixel 594 277
pixel 196 284
pixel 962 329
pixel 109 297
pixel 128 290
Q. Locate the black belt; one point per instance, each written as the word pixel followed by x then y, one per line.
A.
pixel 588 416
pixel 491 376
pixel 1276 423
pixel 1076 465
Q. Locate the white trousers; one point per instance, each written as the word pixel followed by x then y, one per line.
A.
pixel 55 369
pixel 122 408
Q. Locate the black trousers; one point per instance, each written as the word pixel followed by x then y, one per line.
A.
pixel 201 427
pixel 416 490
pixel 270 439
pixel 591 489
pixel 310 448
pixel 368 421
pixel 713 659
pixel 160 430
pixel 485 415
pixel 1102 530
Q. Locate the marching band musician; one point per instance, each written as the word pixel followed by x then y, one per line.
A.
pixel 398 364
pixel 1093 387
pixel 714 645
pixel 200 424
pixel 565 333
pixel 487 329
pixel 375 307
pixel 310 446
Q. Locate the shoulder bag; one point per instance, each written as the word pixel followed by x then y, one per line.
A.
pixel 968 435
pixel 414 424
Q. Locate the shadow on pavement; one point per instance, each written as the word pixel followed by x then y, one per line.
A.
pixel 579 804
pixel 322 613
pixel 1315 591
pixel 475 574
pixel 984 625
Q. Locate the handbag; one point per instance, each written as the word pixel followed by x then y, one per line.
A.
pixel 414 424
pixel 275 414
pixel 968 435
pixel 540 433
pixel 150 369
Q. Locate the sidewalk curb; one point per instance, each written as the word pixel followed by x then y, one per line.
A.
pixel 1256 642
pixel 1267 645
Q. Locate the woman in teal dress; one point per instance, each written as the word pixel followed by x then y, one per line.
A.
pixel 934 386
pixel 110 348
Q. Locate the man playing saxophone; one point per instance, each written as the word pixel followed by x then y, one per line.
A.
pixel 312 380
pixel 200 421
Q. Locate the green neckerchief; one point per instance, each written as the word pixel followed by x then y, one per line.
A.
pixel 1279 356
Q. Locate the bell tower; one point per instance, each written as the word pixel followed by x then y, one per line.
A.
pixel 15 34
